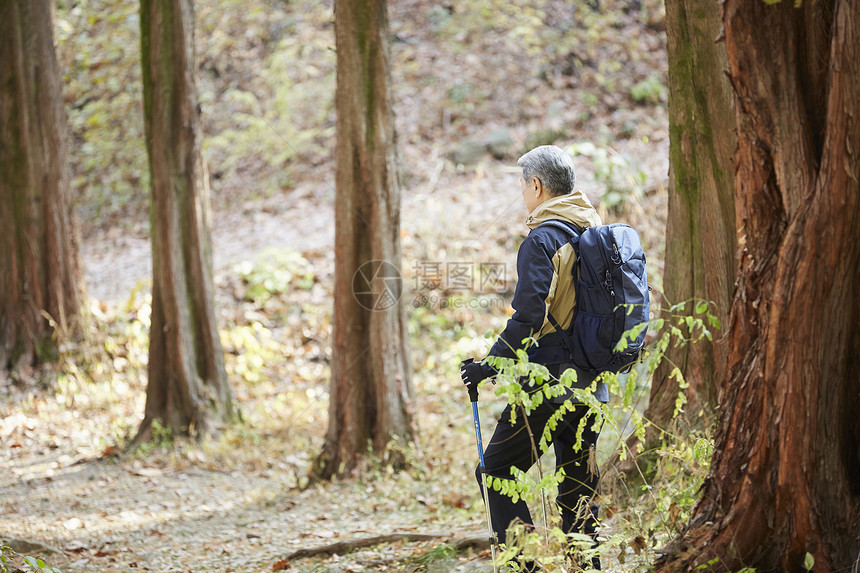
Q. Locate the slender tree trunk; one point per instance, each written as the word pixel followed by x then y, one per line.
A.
pixel 700 231
pixel 371 388
pixel 785 477
pixel 41 291
pixel 188 389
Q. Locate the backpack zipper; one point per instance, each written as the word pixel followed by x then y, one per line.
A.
pixel 607 281
pixel 617 258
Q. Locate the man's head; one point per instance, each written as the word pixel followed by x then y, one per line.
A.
pixel 547 172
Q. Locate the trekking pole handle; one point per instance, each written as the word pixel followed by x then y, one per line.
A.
pixel 473 391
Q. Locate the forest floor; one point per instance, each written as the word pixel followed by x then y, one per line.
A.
pixel 241 502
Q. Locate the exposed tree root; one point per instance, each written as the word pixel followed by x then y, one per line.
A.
pixel 343 547
pixel 25 545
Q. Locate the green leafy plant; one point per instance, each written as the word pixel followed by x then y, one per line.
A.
pixel 650 90
pixel 274 273
pixel 162 439
pixel 10 558
pixel 682 464
pixel 439 553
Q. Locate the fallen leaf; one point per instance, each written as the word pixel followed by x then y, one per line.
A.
pixel 674 512
pixel 281 565
pixel 638 544
pixel 611 511
pixel 75 546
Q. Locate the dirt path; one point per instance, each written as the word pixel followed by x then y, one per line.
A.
pixel 114 516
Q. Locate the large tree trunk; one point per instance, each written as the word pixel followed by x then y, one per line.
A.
pixel 785 477
pixel 40 281
pixel 188 389
pixel 700 231
pixel 371 388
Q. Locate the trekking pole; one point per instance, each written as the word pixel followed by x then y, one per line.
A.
pixel 473 396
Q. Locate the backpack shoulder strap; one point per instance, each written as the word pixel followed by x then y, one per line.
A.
pixel 568 228
pixel 574 233
pixel 566 341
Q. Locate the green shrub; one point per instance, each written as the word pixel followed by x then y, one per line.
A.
pixel 669 492
pixel 650 90
pixel 273 274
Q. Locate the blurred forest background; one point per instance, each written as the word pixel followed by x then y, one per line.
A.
pixel 475 84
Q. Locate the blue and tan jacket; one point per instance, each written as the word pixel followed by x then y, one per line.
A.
pixel 544 279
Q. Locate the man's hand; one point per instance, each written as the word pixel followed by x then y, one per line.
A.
pixel 473 373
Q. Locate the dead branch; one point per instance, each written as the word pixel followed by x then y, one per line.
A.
pixel 343 547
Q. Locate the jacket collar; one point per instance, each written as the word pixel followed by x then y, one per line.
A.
pixel 574 208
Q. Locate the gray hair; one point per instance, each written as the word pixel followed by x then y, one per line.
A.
pixel 552 165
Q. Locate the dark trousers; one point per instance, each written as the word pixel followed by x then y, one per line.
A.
pixel 511 446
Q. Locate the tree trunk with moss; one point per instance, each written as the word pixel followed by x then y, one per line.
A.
pixel 784 485
pixel 700 230
pixel 371 388
pixel 188 390
pixel 41 291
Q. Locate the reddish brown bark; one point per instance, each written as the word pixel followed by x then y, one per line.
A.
pixel 188 389
pixel 371 388
pixel 39 269
pixel 785 477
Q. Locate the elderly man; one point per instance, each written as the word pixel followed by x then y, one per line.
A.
pixel 544 289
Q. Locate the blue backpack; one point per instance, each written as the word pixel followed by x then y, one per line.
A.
pixel 611 297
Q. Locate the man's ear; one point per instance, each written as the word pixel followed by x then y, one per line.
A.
pixel 536 185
